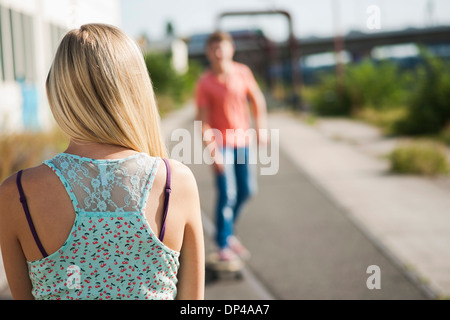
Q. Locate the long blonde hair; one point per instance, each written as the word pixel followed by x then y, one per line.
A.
pixel 99 90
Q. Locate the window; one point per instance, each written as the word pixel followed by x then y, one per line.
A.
pixel 2 74
pixel 29 48
pixel 17 45
pixel 17 51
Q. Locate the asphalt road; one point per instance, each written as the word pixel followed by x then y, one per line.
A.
pixel 303 246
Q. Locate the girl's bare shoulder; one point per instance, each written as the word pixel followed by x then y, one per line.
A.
pixel 34 179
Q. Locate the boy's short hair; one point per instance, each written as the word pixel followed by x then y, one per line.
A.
pixel 219 36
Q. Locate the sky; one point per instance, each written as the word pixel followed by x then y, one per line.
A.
pixel 310 17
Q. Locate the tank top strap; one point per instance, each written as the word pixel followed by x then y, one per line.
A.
pixel 64 182
pixel 149 183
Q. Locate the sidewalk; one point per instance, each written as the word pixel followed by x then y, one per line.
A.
pixel 407 216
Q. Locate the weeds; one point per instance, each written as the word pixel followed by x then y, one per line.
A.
pixel 404 102
pixel 28 149
pixel 420 157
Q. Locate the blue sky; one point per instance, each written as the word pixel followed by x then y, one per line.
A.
pixel 310 17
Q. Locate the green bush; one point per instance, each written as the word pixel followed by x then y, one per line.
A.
pixel 429 106
pixel 367 84
pixel 161 72
pixel 419 157
pixel 413 102
pixel 327 100
pixel 380 85
pixel 171 88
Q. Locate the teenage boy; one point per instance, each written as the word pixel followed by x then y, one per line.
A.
pixel 222 97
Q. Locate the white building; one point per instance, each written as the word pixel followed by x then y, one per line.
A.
pixel 30 31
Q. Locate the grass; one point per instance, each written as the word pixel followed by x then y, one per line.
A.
pixel 424 157
pixel 28 149
pixel 385 119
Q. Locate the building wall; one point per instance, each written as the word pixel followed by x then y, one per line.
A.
pixel 30 31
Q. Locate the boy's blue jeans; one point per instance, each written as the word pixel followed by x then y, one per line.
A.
pixel 234 187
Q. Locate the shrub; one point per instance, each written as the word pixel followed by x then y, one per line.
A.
pixel 161 72
pixel 171 88
pixel 429 106
pixel 328 100
pixel 367 84
pixel 420 157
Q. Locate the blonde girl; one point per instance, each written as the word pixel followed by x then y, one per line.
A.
pixel 95 221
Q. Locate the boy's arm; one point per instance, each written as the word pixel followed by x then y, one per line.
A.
pixel 259 110
pixel 211 144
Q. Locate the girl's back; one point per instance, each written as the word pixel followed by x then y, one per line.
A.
pixel 98 227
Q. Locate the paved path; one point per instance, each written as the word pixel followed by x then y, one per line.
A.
pixel 305 243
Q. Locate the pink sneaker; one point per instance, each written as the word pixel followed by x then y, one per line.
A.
pixel 227 255
pixel 238 248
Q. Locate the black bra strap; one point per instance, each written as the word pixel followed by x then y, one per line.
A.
pixel 23 200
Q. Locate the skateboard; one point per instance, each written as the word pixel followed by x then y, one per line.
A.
pixel 221 268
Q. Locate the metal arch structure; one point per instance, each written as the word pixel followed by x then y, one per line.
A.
pixel 293 47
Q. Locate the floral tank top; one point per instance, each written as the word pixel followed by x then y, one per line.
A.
pixel 111 252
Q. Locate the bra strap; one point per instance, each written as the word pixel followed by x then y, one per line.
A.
pixel 23 200
pixel 166 201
